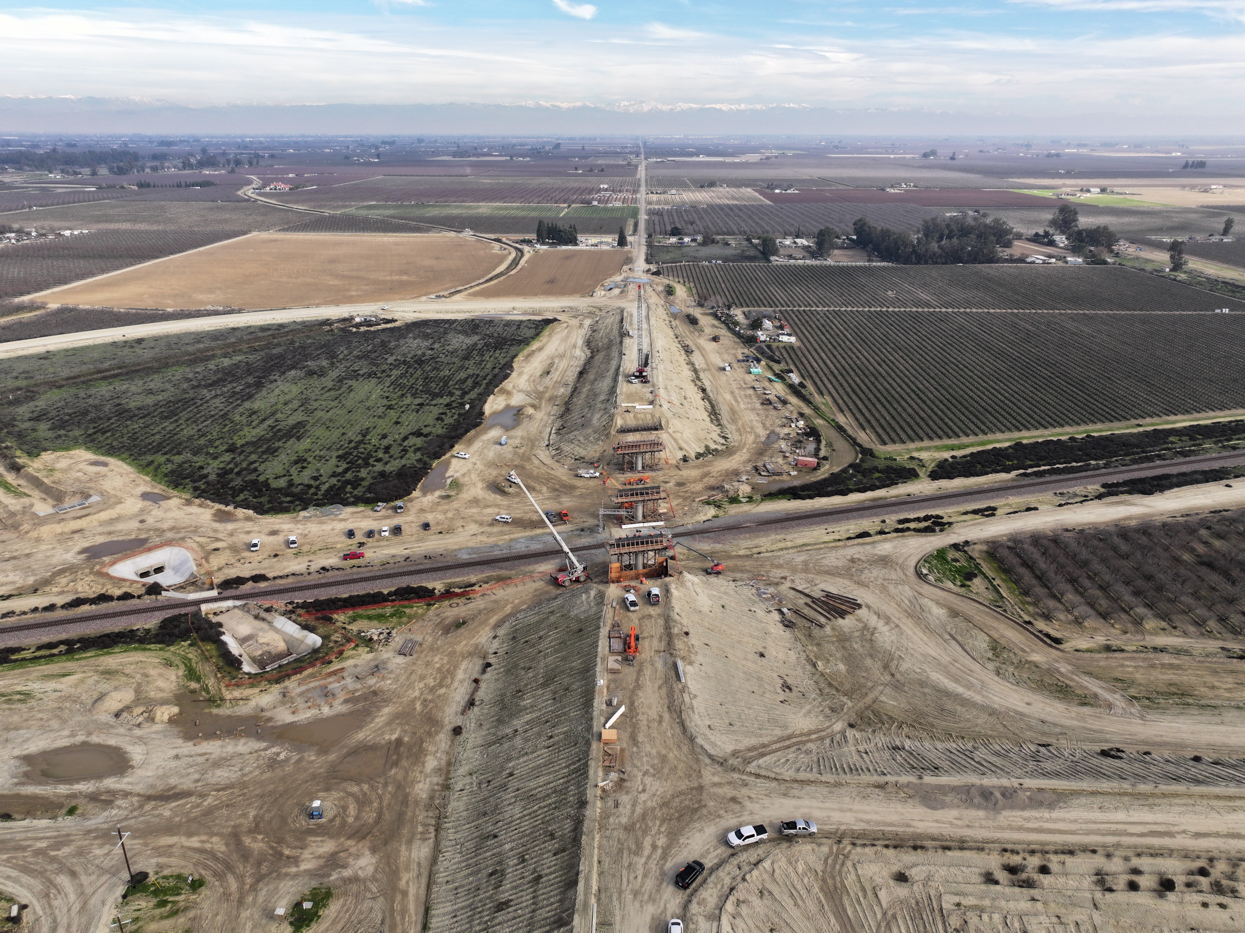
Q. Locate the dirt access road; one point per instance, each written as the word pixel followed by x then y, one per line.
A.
pixel 740 741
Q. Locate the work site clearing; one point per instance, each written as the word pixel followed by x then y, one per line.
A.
pixel 1005 706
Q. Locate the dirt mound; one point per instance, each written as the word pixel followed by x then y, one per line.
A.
pixel 582 431
pixel 110 703
pixel 981 797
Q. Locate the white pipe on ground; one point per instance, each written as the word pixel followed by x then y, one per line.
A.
pixel 613 719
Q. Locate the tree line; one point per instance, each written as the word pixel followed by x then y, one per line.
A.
pixel 549 232
pixel 940 241
pixel 1075 454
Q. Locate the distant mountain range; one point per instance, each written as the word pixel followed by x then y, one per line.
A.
pixel 139 115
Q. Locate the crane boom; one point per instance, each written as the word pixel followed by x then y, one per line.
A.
pixel 574 566
pixel 716 566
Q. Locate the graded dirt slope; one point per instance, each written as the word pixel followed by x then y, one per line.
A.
pixel 277 270
pixel 558 273
pixel 509 857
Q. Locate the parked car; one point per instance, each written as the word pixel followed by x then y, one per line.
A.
pixel 353 555
pixel 588 474
pixel 399 507
pixel 254 544
pixel 506 519
pixel 689 873
pixel 397 529
pixel 350 534
pixel 427 526
pixel 674 926
pixel 315 811
pixel 462 456
pixel 746 835
pixel 379 507
pixel 798 828
pixel 291 541
pixel 630 602
pixel 384 531
pixel 654 597
pixel 371 533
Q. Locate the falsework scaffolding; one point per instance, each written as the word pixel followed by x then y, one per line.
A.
pixel 641 453
pixel 639 556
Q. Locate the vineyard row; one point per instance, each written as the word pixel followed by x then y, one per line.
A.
pixel 912 376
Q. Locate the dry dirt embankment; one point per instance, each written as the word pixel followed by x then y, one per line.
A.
pixel 509 854
pixel 583 429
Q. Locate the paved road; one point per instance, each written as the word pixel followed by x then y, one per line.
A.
pixel 641 227
pixel 507 558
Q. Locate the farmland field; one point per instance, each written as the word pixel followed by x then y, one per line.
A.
pixel 1182 578
pixel 391 189
pixel 987 287
pixel 782 220
pixel 912 376
pixel 274 418
pixel 122 233
pixel 69 319
pixel 558 273
pixel 283 270
pixel 509 857
pixel 922 197
pixel 505 219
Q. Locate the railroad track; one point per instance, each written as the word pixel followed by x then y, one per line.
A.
pixel 103 619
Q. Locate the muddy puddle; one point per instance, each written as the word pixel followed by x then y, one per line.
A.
pixel 153 497
pixel 86 762
pixel 322 733
pixel 112 548
pixel 770 439
pixel 435 481
pixel 506 418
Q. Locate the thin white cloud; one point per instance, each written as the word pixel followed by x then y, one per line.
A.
pixel 670 33
pixel 1232 9
pixel 580 10
pixel 384 4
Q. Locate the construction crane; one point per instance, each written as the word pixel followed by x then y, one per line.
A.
pixel 575 571
pixel 715 566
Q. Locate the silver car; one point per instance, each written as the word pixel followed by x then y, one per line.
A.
pixel 798 828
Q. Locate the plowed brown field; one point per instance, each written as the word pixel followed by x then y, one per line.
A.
pixel 276 270
pixel 558 273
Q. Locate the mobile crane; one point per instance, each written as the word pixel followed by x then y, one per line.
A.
pixel 715 566
pixel 575 571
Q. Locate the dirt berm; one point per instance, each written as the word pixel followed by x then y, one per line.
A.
pixel 509 850
pixel 582 431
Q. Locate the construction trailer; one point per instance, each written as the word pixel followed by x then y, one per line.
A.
pixel 639 556
pixel 640 454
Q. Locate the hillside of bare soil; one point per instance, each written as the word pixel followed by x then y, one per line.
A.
pixel 509 854
pixel 584 426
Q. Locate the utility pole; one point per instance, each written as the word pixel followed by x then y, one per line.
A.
pixel 129 872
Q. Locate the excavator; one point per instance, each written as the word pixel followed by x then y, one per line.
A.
pixel 633 646
pixel 715 566
pixel 574 571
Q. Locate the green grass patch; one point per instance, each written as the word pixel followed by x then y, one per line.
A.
pixel 949 566
pixel 300 917
pixel 12 490
pixel 270 420
pixel 72 811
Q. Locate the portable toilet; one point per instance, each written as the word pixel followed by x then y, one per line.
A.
pixel 503 440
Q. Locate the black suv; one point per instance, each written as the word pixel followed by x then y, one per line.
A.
pixel 350 533
pixel 371 533
pixel 689 873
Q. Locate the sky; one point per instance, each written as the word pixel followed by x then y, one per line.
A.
pixel 1152 60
